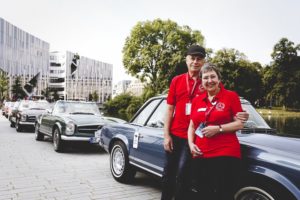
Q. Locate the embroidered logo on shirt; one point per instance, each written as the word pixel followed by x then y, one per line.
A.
pixel 220 106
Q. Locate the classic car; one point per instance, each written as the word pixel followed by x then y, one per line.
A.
pixel 69 121
pixel 11 113
pixel 25 114
pixel 271 162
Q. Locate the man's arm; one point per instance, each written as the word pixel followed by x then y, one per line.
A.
pixel 168 142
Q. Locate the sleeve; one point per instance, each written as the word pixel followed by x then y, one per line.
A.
pixel 236 105
pixel 171 98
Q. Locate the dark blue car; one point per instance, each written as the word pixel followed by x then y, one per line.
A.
pixel 271 162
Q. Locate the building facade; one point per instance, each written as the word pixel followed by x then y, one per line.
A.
pixel 120 87
pixel 23 55
pixel 136 87
pixel 91 76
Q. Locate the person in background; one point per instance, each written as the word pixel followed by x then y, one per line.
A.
pixel 183 89
pixel 212 138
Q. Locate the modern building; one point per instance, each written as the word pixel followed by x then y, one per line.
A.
pixel 91 76
pixel 120 87
pixel 136 87
pixel 23 55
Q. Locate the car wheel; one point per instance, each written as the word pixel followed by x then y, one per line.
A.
pixel 38 135
pixel 12 124
pixel 262 190
pixel 18 126
pixel 120 168
pixel 57 142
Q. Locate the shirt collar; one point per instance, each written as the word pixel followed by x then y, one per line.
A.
pixel 191 78
pixel 218 96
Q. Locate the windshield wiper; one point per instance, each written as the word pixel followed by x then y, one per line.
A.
pixel 81 113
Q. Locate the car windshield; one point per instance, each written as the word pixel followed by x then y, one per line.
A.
pixel 255 120
pixel 39 105
pixel 81 108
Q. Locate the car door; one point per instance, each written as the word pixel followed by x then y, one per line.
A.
pixel 48 120
pixel 149 151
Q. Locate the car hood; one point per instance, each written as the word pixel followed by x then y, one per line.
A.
pixel 276 142
pixel 33 112
pixel 87 119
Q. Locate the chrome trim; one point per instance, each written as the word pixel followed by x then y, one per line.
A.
pixel 26 123
pixel 146 163
pixel 72 138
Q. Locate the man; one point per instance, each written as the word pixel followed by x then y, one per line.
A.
pixel 183 89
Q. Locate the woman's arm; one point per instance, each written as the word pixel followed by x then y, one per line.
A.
pixel 195 151
pixel 213 130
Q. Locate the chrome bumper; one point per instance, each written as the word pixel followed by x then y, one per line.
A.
pixel 26 123
pixel 73 138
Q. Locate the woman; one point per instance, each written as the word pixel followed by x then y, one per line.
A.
pixel 212 139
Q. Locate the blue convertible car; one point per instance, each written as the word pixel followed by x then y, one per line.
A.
pixel 272 162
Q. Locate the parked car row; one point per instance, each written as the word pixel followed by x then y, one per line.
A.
pixel 63 121
pixel 271 163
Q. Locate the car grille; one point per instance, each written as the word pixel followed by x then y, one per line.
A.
pixel 31 118
pixel 88 130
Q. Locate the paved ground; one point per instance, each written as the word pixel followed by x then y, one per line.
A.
pixel 32 170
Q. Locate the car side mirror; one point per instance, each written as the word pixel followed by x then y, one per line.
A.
pixel 49 110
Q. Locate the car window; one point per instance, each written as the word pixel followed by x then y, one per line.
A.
pixel 158 117
pixel 58 108
pixel 255 120
pixel 145 113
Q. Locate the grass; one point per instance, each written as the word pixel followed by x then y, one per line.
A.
pixel 277 112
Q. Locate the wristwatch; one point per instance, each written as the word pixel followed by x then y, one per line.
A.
pixel 220 128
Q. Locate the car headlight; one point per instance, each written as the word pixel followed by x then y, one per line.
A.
pixel 23 117
pixel 70 128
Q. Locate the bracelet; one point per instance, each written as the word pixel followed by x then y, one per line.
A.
pixel 220 128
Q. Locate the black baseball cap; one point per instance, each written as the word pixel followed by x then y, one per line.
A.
pixel 196 50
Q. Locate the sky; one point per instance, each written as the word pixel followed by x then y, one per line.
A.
pixel 97 29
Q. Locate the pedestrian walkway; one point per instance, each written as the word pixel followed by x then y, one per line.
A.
pixel 31 170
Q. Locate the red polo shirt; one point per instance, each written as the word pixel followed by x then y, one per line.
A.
pixel 226 107
pixel 183 90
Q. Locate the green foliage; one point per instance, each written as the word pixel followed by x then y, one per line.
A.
pixel 239 74
pixel 95 96
pixel 282 77
pixel 17 89
pixel 155 48
pixel 3 84
pixel 90 97
pixel 46 93
pixel 122 106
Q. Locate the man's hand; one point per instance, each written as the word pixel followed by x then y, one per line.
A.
pixel 168 143
pixel 243 116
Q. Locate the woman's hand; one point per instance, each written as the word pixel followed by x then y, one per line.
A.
pixel 195 151
pixel 210 131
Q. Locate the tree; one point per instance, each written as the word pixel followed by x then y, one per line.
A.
pixel 282 77
pixel 239 74
pixel 123 106
pixel 155 48
pixel 17 90
pixel 95 96
pixel 3 84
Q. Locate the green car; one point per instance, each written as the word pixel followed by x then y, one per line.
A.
pixel 69 121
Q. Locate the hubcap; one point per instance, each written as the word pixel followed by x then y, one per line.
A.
pixel 118 161
pixel 253 193
pixel 55 138
pixel 36 130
